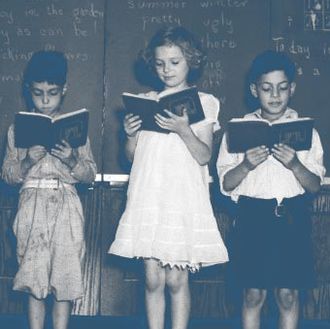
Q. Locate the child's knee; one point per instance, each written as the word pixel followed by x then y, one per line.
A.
pixel 176 279
pixel 287 298
pixel 154 281
pixel 254 298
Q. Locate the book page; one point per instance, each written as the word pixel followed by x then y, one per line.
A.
pixel 173 91
pixel 249 120
pixel 35 114
pixel 141 96
pixel 293 120
pixel 69 114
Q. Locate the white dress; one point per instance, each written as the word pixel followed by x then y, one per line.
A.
pixel 168 215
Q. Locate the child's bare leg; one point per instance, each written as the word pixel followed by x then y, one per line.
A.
pixel 288 304
pixel 253 300
pixel 155 294
pixel 36 312
pixel 178 284
pixel 61 314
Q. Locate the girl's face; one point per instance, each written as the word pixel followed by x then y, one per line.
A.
pixel 47 98
pixel 171 66
pixel 274 92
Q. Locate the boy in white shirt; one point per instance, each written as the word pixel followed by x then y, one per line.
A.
pixel 272 247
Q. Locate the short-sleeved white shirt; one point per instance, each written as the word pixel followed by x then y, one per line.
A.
pixel 270 179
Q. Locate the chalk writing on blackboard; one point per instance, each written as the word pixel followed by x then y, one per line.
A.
pixel 292 46
pixel 52 10
pixel 6 16
pixel 89 12
pixel 223 3
pixel 134 4
pixel 222 23
pixel 4 36
pixel 148 21
pixel 14 55
pixel 33 12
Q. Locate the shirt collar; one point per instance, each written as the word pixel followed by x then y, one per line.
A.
pixel 287 115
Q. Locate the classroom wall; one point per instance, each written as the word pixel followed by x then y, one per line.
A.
pixel 302 29
pixel 75 27
pixel 101 39
pixel 225 29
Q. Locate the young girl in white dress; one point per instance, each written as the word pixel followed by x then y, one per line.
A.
pixel 168 219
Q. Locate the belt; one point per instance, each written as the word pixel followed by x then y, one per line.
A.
pixel 279 209
pixel 53 183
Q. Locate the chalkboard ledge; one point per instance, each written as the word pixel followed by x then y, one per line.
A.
pixel 112 179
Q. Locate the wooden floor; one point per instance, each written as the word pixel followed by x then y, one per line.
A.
pixel 85 322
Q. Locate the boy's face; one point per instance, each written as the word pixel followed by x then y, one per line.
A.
pixel 47 98
pixel 274 92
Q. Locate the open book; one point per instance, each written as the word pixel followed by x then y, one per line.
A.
pixel 39 129
pixel 147 107
pixel 244 134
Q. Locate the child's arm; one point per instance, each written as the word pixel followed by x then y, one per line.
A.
pixel 17 162
pixel 252 158
pixel 80 161
pixel 130 147
pixel 288 157
pixel 132 124
pixel 33 155
pixel 199 146
pixel 64 152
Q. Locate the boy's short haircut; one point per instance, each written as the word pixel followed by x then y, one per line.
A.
pixel 269 61
pixel 46 66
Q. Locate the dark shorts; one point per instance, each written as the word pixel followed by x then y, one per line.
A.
pixel 272 246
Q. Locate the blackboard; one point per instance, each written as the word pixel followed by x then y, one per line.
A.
pixel 75 27
pixel 232 32
pixel 101 39
pixel 302 29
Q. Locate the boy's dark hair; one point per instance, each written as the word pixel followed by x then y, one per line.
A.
pixel 177 36
pixel 269 61
pixel 46 66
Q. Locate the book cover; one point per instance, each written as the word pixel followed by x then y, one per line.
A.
pixel 147 107
pixel 39 129
pixel 244 134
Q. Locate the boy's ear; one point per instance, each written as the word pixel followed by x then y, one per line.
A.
pixel 292 87
pixel 253 89
pixel 64 89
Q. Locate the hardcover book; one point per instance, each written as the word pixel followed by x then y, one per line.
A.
pixel 147 107
pixel 39 129
pixel 244 134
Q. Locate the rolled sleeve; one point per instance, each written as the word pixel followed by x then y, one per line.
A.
pixel 85 169
pixel 225 162
pixel 11 168
pixel 313 158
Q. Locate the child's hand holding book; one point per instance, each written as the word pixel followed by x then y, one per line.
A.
pixel 286 155
pixel 244 134
pixel 255 156
pixel 64 152
pixel 147 107
pixel 33 128
pixel 132 123
pixel 175 123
